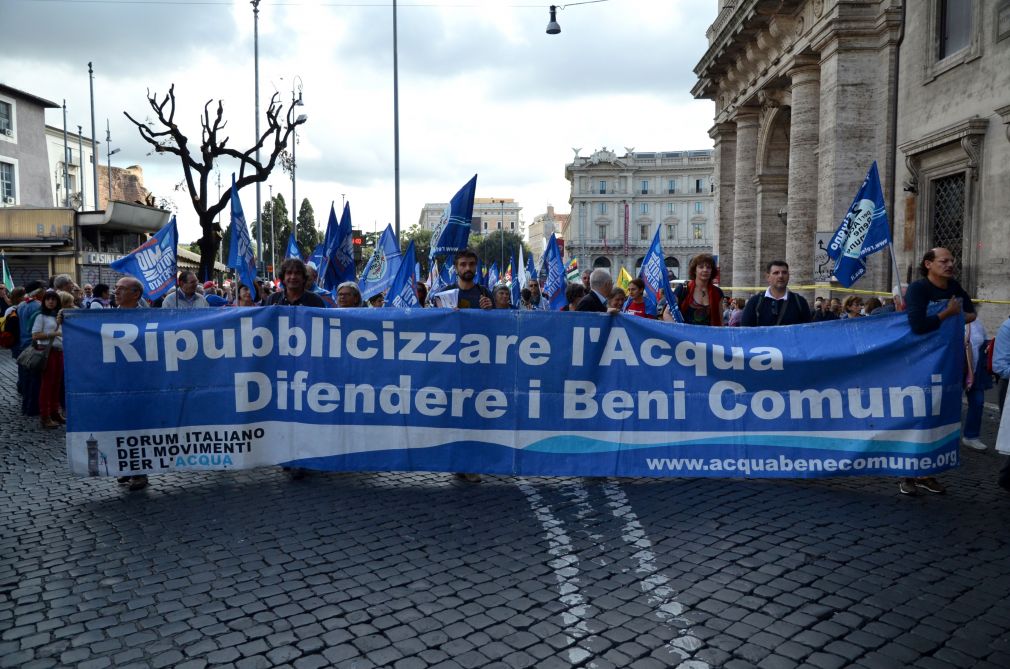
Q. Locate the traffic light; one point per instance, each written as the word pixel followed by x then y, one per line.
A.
pixel 358 240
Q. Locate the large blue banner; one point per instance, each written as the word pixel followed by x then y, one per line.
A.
pixel 508 392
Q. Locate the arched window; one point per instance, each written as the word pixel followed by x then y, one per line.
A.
pixel 673 268
pixel 638 265
pixel 602 261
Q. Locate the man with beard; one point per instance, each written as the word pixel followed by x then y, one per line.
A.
pixel 472 295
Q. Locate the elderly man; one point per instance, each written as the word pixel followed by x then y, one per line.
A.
pixel 128 292
pixel 600 287
pixel 348 295
pixel 534 287
pixel 936 285
pixel 185 295
pixel 777 305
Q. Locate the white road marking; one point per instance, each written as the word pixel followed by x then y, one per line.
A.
pixel 566 571
pixel 654 584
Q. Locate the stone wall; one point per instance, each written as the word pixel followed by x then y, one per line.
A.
pixel 127 185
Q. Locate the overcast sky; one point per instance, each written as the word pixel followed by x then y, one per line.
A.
pixel 483 88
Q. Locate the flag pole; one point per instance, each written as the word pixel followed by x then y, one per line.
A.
pixel 899 299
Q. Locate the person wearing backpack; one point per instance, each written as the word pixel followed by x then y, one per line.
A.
pixel 777 305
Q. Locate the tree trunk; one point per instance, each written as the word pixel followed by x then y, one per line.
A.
pixel 209 243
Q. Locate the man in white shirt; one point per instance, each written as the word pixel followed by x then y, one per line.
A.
pixel 185 296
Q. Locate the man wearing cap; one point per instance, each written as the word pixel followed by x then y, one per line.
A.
pixel 185 296
pixel 210 294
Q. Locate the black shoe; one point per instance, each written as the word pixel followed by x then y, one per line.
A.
pixel 138 482
pixel 123 480
pixel 296 473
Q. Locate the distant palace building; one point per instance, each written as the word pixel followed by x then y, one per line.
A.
pixel 618 203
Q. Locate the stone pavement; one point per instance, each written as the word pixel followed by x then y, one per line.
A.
pixel 248 569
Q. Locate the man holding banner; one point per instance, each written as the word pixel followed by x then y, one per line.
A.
pixel 777 305
pixel 296 280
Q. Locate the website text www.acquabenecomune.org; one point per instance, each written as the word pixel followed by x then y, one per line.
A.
pixel 892 463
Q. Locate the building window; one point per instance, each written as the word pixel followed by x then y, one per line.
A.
pixel 602 208
pixel 603 187
pixel 699 184
pixel 671 208
pixel 645 186
pixel 643 233
pixel 8 188
pixel 643 208
pixel 601 232
pixel 698 230
pixel 947 222
pixel 512 225
pixel 671 186
pixel 485 225
pixel 671 230
pixel 954 26
pixel 6 118
pixel 699 207
pixel 956 36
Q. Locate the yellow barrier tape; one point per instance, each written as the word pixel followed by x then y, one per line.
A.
pixel 855 291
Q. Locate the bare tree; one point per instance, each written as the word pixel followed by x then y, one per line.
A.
pixel 198 164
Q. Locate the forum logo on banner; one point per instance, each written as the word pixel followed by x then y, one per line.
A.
pixel 154 262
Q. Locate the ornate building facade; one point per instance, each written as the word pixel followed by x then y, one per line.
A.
pixel 618 203
pixel 808 93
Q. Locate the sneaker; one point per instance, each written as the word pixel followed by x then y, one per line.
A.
pixel 975 444
pixel 907 487
pixel 138 482
pixel 930 484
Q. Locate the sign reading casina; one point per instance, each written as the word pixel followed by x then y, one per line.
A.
pixel 529 393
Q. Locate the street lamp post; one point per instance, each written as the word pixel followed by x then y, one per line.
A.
pixel 256 67
pixel 396 129
pixel 295 102
pixel 109 153
pixel 273 215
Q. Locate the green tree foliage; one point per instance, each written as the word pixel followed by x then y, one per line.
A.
pixel 275 212
pixel 422 244
pixel 496 245
pixel 308 235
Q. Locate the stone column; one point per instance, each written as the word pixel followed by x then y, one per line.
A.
pixel 724 137
pixel 745 199
pixel 801 201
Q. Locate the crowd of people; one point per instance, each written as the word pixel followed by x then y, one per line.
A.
pixel 33 316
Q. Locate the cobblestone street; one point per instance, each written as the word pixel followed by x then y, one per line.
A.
pixel 412 570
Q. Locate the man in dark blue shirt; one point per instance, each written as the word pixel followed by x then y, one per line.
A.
pixel 936 285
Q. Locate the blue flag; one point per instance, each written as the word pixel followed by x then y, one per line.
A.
pixel 517 285
pixel 555 285
pixel 403 290
pixel 240 253
pixel 338 251
pixel 417 269
pixel 863 231
pixel 317 256
pixel 480 277
pixel 657 281
pixel 153 263
pixel 453 229
pixel 492 276
pixel 382 266
pixel 436 281
pixel 293 250
pixel 531 268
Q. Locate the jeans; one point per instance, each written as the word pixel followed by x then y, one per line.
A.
pixel 973 418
